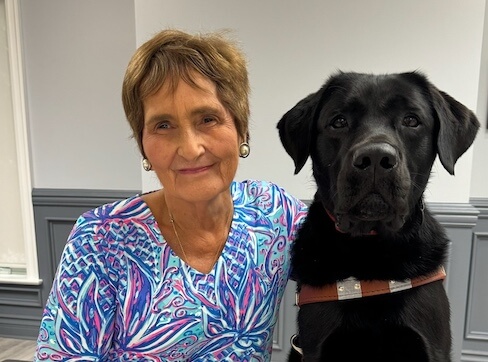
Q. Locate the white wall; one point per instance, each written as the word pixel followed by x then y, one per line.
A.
pixel 13 254
pixel 293 46
pixel 75 57
pixel 76 53
pixel 479 175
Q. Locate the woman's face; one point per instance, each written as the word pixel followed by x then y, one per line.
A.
pixel 191 140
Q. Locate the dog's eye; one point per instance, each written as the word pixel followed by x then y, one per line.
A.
pixel 411 121
pixel 339 122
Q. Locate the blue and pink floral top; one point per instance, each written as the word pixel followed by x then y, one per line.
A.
pixel 121 294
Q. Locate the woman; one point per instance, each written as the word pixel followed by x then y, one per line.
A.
pixel 194 271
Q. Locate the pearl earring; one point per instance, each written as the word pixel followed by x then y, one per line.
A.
pixel 244 150
pixel 146 165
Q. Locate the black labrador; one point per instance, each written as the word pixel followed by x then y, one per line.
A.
pixel 368 258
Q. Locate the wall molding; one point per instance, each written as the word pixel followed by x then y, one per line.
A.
pixel 20 296
pixel 481 203
pixel 455 215
pixel 475 348
pixel 78 197
pixel 478 286
pixel 474 356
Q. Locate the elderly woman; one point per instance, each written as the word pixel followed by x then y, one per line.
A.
pixel 194 271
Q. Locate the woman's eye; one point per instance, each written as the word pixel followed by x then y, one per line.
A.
pixel 339 122
pixel 163 125
pixel 208 120
pixel 411 121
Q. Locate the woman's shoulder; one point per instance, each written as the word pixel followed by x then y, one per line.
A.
pixel 257 187
pixel 260 191
pixel 251 187
pixel 130 208
pixel 111 224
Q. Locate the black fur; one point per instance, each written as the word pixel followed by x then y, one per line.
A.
pixel 372 140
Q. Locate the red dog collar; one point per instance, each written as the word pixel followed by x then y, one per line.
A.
pixel 352 288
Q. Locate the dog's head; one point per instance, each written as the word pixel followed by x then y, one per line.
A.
pixel 373 140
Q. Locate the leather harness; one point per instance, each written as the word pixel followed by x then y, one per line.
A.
pixel 352 288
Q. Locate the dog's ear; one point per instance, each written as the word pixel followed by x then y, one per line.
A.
pixel 457 128
pixel 295 128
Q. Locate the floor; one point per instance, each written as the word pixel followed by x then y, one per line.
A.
pixel 17 349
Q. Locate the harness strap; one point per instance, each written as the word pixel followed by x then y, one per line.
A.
pixel 352 288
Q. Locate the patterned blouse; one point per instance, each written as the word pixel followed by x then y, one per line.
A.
pixel 121 294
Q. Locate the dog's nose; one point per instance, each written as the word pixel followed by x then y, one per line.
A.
pixel 378 156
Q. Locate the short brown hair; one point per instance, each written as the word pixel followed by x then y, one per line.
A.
pixel 172 55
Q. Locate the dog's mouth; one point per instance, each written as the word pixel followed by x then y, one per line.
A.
pixel 370 215
pixel 371 208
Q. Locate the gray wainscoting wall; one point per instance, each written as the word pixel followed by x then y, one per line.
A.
pixel 56 210
pixel 475 331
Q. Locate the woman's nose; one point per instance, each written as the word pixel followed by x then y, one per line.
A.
pixel 190 145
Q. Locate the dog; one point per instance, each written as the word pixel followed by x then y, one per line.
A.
pixel 368 259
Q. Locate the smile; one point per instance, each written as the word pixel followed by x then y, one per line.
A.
pixel 194 170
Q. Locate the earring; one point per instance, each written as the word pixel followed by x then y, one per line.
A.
pixel 146 165
pixel 244 150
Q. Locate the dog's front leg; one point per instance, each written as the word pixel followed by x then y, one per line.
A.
pixel 316 322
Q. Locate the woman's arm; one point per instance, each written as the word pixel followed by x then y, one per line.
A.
pixel 78 320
